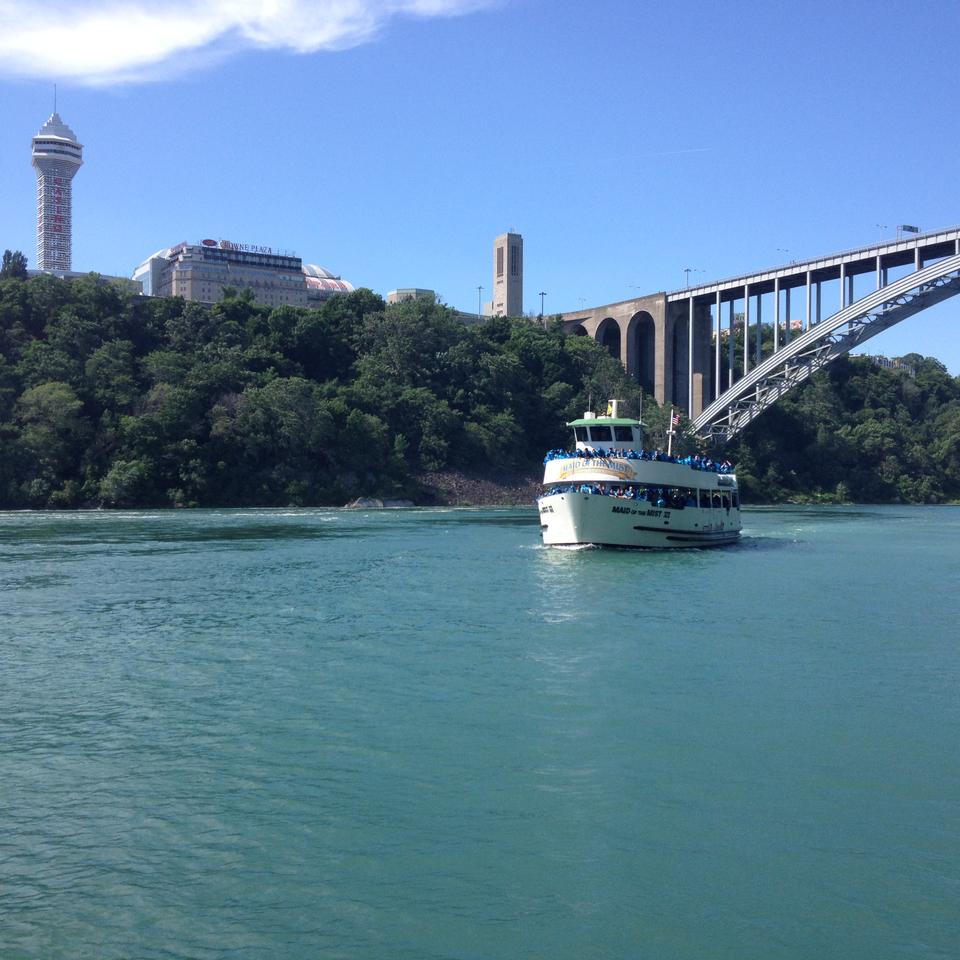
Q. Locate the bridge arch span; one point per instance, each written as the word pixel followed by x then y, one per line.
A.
pixel 642 349
pixel 608 336
pixel 790 366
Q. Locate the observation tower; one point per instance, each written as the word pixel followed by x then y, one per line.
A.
pixel 56 156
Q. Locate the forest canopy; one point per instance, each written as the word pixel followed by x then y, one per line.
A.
pixel 118 400
pixel 111 399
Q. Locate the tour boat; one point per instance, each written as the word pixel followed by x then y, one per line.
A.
pixel 610 491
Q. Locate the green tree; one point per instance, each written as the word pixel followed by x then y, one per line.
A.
pixel 14 266
pixel 125 483
pixel 52 431
pixel 110 372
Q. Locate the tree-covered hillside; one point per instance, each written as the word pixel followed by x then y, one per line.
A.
pixel 115 400
pixel 858 432
pixel 111 399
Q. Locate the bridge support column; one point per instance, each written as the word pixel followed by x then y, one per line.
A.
pixel 686 355
pixel 759 355
pixel 663 362
pixel 702 326
pixel 690 357
pixel 786 328
pixel 730 357
pixel 746 328
pixel 806 322
pixel 716 372
pixel 776 314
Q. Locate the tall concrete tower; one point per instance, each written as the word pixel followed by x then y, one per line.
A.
pixel 508 275
pixel 56 156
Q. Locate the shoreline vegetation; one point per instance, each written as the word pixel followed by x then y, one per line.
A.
pixel 108 399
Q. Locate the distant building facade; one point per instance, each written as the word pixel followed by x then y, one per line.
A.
pixel 57 156
pixel 896 363
pixel 124 283
pixel 507 276
pixel 322 284
pixel 200 271
pixel 410 293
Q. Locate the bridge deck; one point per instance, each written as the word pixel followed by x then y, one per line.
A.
pixel 913 249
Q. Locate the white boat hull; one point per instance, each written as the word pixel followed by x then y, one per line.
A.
pixel 568 519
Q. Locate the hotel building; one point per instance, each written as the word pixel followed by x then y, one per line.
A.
pixel 200 271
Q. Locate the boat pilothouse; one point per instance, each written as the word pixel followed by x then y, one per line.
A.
pixel 611 491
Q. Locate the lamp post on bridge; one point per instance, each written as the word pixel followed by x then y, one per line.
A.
pixel 687 271
pixel 542 295
pixel 479 301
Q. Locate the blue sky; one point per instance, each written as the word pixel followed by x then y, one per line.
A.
pixel 391 141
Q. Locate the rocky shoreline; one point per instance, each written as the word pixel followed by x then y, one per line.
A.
pixel 452 488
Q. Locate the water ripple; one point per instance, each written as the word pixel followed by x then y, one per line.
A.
pixel 419 734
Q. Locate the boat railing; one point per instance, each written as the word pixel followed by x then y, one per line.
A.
pixel 694 461
pixel 673 498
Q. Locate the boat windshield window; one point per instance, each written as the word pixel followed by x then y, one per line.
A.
pixel 601 434
pixel 623 434
pixel 580 433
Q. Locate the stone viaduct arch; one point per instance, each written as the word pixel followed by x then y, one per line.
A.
pixel 609 335
pixel 641 337
pixel 650 337
pixel 633 331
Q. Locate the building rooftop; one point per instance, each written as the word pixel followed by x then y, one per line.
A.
pixel 55 127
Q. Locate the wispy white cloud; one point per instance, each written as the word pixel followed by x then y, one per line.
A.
pixel 115 41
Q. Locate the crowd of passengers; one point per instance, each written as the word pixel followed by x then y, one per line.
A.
pixel 588 453
pixel 658 496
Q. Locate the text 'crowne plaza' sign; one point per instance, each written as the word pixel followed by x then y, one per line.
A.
pixel 238 247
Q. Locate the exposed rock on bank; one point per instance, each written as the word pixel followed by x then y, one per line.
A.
pixel 451 488
pixel 375 503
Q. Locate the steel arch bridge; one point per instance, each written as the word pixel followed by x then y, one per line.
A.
pixel 681 347
pixel 832 337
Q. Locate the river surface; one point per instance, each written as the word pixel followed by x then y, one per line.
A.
pixel 420 735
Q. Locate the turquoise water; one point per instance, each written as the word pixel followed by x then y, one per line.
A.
pixel 419 734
